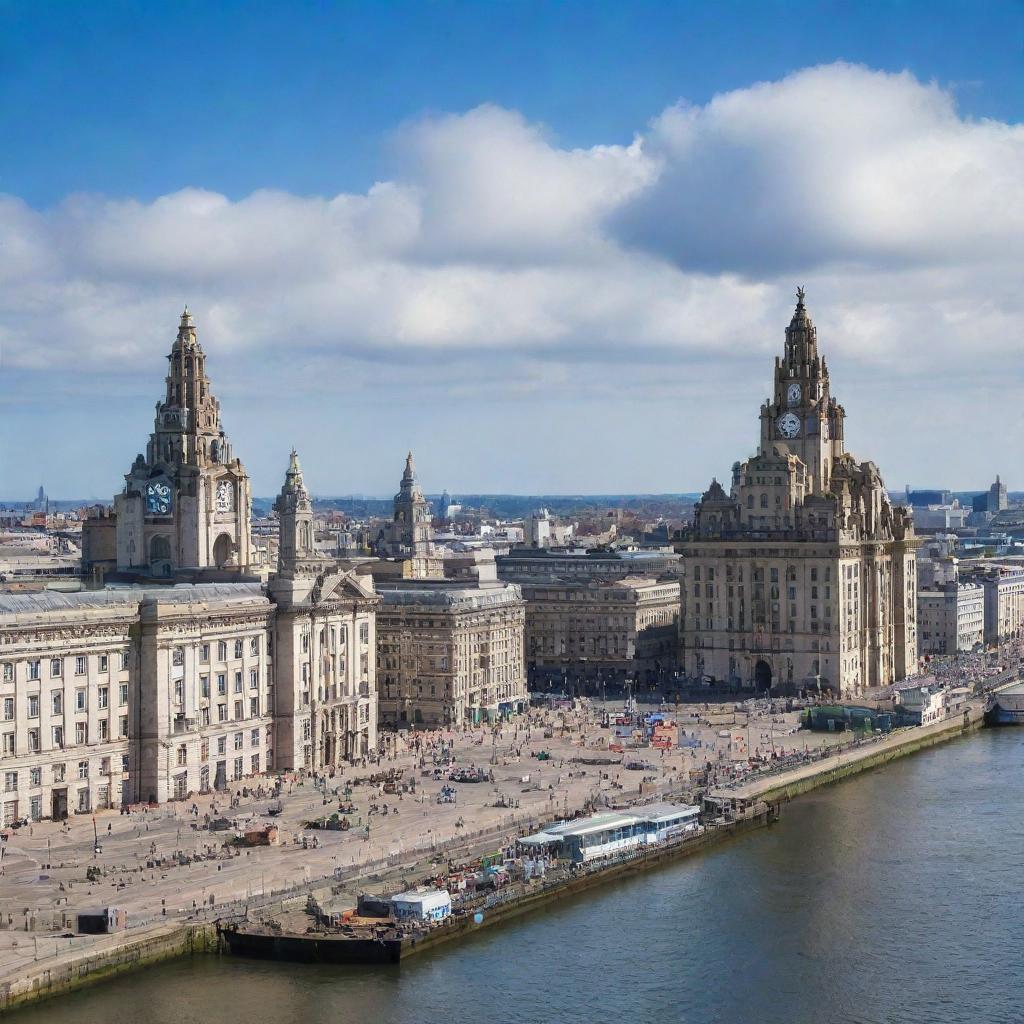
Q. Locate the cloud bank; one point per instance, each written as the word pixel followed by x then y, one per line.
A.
pixel 495 262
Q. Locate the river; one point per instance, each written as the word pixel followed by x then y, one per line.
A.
pixel 886 899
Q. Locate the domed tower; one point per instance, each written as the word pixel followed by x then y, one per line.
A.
pixel 411 531
pixel 296 550
pixel 185 505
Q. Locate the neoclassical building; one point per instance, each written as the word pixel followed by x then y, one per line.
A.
pixel 803 574
pixel 184 675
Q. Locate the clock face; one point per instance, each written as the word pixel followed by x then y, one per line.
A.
pixel 788 424
pixel 158 498
pixel 793 394
pixel 225 496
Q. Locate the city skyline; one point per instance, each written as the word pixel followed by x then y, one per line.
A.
pixel 501 263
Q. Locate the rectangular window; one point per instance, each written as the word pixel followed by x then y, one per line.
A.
pixel 222 650
pixel 238 648
pixel 8 709
pixel 122 694
pixel 81 700
pixel 239 761
pixel 33 741
pixel 125 659
pixel 204 686
pixel 35 777
pixel 8 747
pixel 222 744
pixel 254 737
pixel 58 737
pixel 10 782
pixel 182 754
pixel 8 672
pixel 204 750
pixel 58 773
pixel 238 709
pixel 123 726
pixel 81 732
pixel 179 691
pixel 222 684
pixel 364 632
pixel 254 645
pixel 254 764
pixel 254 707
pixel 238 682
pixel 56 666
pixel 104 728
pixel 83 769
pixel 102 697
pixel 222 712
pixel 104 663
pixel 33 670
pixel 238 741
pixel 254 678
pixel 204 652
pixel 80 666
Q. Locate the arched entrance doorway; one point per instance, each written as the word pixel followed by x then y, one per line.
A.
pixel 762 676
pixel 222 550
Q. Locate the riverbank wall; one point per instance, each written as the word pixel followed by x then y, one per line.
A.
pixel 43 980
pixel 787 785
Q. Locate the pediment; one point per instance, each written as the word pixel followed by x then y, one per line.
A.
pixel 343 585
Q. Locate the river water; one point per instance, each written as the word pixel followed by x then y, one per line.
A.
pixel 888 898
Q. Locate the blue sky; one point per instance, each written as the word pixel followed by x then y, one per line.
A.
pixel 136 133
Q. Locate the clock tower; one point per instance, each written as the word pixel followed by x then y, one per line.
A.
pixel 185 506
pixel 802 415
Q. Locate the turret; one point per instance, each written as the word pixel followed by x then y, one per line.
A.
pixel 295 520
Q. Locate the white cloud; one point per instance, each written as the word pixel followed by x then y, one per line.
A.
pixel 497 262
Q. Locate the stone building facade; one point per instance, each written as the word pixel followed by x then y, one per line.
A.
pixel 589 630
pixel 1003 585
pixel 448 654
pixel 325 629
pixel 803 574
pixel 950 618
pixel 132 694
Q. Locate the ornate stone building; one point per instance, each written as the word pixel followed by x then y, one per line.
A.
pixel 325 639
pixel 803 574
pixel 185 505
pixel 157 691
pixel 448 654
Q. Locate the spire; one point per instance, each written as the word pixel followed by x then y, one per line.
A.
pixel 186 318
pixel 293 482
pixel 801 336
pixel 410 469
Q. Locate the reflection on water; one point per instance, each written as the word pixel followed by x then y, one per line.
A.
pixel 888 898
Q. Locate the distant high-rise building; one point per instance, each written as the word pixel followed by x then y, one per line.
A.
pixel 995 499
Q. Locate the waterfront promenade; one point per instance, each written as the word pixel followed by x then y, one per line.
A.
pixel 147 864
